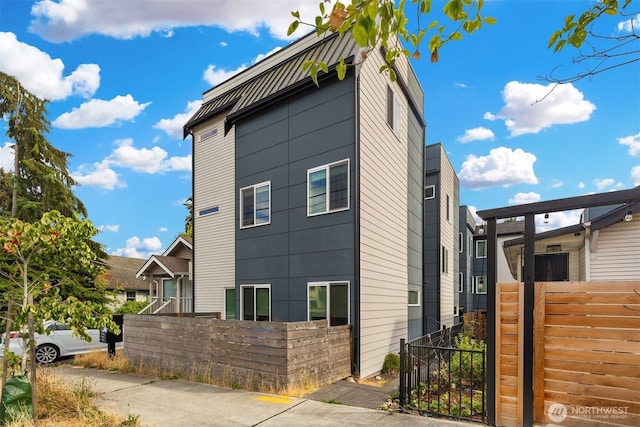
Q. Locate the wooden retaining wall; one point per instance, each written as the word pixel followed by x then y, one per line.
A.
pixel 276 355
pixel 586 353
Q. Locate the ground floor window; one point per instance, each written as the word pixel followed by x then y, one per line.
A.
pixel 131 295
pixel 329 300
pixel 230 304
pixel 480 285
pixel 255 302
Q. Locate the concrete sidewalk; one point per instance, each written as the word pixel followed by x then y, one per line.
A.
pixel 162 403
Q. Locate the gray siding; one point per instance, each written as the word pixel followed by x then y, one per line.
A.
pixel 279 144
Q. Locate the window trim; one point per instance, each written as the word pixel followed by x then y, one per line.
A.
pixel 445 260
pixel 126 296
pixel 224 293
pixel 460 282
pixel 254 286
pixel 418 299
pixel 393 111
pixel 208 211
pixel 475 285
pixel 327 284
pixel 240 204
pixel 478 242
pixel 327 167
pixel 460 243
pixel 433 192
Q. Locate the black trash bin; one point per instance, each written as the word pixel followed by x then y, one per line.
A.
pixel 110 338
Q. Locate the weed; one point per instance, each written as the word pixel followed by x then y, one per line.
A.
pixel 333 401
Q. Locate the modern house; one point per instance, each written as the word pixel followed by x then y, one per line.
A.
pixel 308 200
pixel 121 278
pixel 603 246
pixel 169 278
pixel 441 210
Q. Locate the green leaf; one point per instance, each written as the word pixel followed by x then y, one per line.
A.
pixel 432 25
pixel 296 14
pixel 425 6
pixel 489 20
pixel 559 46
pixel 341 68
pixel 306 65
pixel 553 38
pixel 324 66
pixel 392 75
pixel 455 36
pixel 360 34
pixel 292 28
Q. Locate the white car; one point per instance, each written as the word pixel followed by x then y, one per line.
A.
pixel 60 342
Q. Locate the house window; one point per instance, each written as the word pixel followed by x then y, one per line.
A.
pixel 255 205
pixel 480 284
pixel 414 298
pixel 393 111
pixel 460 282
pixel 429 192
pixel 131 295
pixel 208 211
pixel 329 300
pixel 445 260
pixel 460 242
pixel 230 304
pixel 448 208
pixel 255 302
pixel 481 249
pixel 328 188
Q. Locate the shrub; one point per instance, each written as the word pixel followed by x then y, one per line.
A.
pixel 391 363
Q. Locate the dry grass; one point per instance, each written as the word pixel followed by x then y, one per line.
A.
pixel 63 405
pixel 198 373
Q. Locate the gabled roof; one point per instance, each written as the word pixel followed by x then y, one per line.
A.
pixel 285 77
pixel 180 240
pixel 169 265
pixel 122 273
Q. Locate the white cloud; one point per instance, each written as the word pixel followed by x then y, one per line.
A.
pixel 529 108
pixel 524 198
pixel 633 141
pixel 42 75
pixel 629 25
pixel 557 183
pixel 173 126
pixel 603 183
pixel 476 134
pixel 136 248
pixel 635 175
pixel 502 167
pixel 147 160
pixel 163 229
pixel 100 175
pixel 461 85
pixel 581 185
pixel 223 44
pixel 65 20
pixel 558 220
pixel 101 113
pixel 214 77
pixel 7 157
pixel 111 228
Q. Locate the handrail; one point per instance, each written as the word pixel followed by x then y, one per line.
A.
pixel 147 308
pixel 171 300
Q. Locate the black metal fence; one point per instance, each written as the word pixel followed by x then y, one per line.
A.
pixel 443 380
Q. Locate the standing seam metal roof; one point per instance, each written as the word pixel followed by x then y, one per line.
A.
pixel 275 81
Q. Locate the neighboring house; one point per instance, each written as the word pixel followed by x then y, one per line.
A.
pixel 169 278
pixel 603 246
pixel 121 278
pixel 441 210
pixel 464 283
pixel 308 200
pixel 506 230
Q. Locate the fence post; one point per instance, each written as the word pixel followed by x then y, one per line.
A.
pixel 403 368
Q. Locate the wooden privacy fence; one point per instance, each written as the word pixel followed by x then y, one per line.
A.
pixel 275 355
pixel 586 353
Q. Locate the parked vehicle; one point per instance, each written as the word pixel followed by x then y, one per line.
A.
pixel 58 343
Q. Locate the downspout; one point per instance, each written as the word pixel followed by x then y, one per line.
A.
pixel 587 251
pixel 355 327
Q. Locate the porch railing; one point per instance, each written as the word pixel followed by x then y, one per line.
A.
pixel 443 380
pixel 168 306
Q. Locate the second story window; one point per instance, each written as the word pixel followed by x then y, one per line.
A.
pixel 328 188
pixel 255 205
pixel 481 249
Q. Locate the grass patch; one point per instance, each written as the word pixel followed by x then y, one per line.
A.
pixel 228 378
pixel 332 401
pixel 64 405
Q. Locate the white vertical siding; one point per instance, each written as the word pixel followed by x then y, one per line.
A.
pixel 448 240
pixel 214 185
pixel 617 255
pixel 383 220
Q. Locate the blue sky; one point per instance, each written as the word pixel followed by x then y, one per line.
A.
pixel 123 77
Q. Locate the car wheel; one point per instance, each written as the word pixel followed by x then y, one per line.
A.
pixel 47 353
